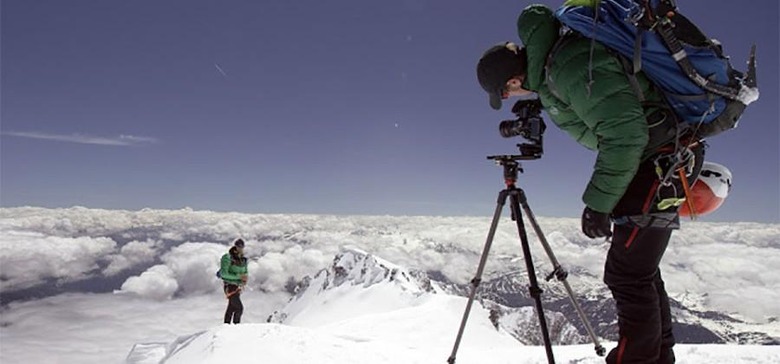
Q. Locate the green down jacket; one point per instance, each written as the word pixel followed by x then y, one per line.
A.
pixel 231 270
pixel 593 102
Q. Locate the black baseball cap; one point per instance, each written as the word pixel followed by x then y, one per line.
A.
pixel 497 65
pixel 239 243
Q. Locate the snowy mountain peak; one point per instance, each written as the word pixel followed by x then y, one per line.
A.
pixel 354 277
pixel 360 268
pixel 358 284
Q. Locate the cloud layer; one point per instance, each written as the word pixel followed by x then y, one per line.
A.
pixel 166 254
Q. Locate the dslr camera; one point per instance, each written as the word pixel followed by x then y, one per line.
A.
pixel 529 125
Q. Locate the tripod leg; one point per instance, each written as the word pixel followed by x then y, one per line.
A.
pixel 536 292
pixel 480 269
pixel 559 272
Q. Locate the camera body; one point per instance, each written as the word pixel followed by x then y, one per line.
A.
pixel 528 125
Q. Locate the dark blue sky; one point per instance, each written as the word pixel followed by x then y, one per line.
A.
pixel 345 107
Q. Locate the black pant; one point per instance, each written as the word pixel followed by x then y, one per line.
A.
pixel 234 308
pixel 644 318
pixel 631 272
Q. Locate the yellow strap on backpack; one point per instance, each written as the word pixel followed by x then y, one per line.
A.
pixel 670 202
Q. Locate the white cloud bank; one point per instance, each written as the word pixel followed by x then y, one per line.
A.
pixel 102 328
pixel 27 258
pixel 157 282
pixel 172 257
pixel 722 262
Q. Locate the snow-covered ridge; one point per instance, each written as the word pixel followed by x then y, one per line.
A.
pixel 282 344
pixel 358 278
pixel 353 272
pixel 358 267
pixel 364 309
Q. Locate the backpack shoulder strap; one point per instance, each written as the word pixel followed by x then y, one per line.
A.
pixel 566 36
pixel 631 71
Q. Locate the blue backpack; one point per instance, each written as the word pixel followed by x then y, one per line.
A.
pixel 697 80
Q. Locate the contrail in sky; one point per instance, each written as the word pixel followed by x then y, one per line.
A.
pixel 220 70
pixel 121 140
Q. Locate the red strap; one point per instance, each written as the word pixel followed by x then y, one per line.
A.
pixel 621 349
pixel 645 209
pixel 631 238
pixel 230 294
pixel 688 194
pixel 649 198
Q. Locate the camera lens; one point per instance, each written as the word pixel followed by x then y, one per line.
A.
pixel 510 128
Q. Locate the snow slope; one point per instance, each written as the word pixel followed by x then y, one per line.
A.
pixel 363 309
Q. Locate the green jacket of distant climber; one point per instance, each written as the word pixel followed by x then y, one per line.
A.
pixel 587 93
pixel 232 267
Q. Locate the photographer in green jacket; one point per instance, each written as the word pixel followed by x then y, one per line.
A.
pixel 586 92
pixel 233 271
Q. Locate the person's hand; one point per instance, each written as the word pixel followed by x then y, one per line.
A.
pixel 244 278
pixel 595 224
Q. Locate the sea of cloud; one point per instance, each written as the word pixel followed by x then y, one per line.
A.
pixel 177 251
pixel 89 328
pixel 152 271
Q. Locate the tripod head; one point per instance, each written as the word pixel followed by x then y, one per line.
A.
pixel 511 166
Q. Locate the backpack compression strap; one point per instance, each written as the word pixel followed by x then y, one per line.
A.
pixel 660 19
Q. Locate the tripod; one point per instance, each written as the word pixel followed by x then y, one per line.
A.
pixel 517 199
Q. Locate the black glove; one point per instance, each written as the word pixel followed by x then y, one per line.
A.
pixel 595 224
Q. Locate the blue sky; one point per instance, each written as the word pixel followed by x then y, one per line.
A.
pixel 343 107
